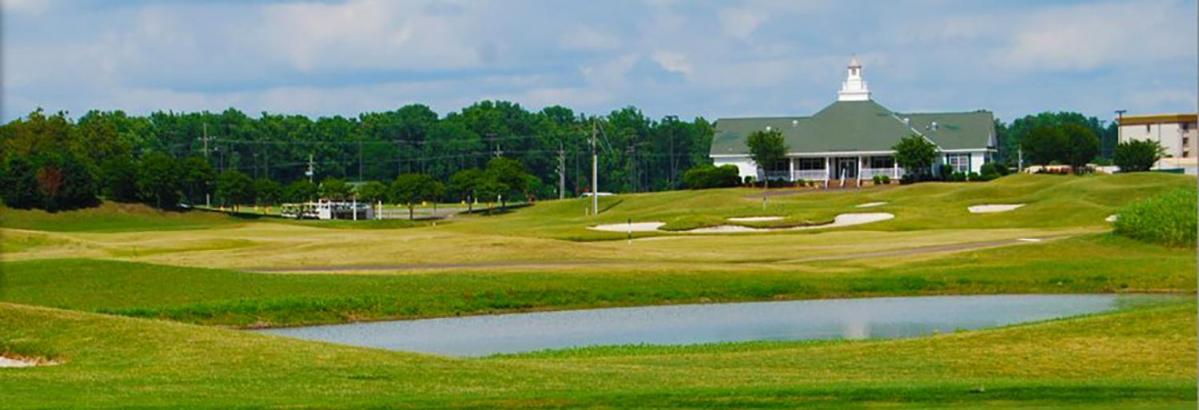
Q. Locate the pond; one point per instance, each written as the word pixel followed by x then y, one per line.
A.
pixel 891 317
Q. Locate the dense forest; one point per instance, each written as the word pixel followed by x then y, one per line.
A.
pixel 52 161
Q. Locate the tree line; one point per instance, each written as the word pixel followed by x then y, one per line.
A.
pixel 53 162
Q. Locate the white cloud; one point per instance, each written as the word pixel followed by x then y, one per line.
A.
pixel 740 22
pixel 673 62
pixel 1088 36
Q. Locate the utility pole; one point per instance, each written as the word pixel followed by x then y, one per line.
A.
pixel 310 172
pixel 1119 128
pixel 594 174
pixel 561 171
pixel 207 195
pixel 498 151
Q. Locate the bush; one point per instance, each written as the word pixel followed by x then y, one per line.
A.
pixel 1168 219
pixel 956 177
pixel 973 176
pixel 991 170
pixel 1137 156
pixel 711 176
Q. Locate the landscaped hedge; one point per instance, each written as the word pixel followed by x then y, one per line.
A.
pixel 1168 219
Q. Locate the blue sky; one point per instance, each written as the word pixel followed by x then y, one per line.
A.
pixel 712 59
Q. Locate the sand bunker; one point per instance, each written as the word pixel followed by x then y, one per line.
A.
pixel 871 204
pixel 1112 218
pixel 839 221
pixel 990 209
pixel 9 362
pixel 633 227
pixel 756 219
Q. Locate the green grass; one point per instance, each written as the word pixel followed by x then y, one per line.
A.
pixel 137 264
pixel 1169 219
pixel 112 217
pixel 1096 263
pixel 1139 358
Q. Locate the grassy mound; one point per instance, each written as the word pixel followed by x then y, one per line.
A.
pixel 1168 219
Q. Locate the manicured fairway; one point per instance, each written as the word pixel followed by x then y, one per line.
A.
pixel 116 293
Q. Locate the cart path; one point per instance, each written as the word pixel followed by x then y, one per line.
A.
pixel 915 251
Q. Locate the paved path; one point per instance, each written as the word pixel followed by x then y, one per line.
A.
pixel 920 250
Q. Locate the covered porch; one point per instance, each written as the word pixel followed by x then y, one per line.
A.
pixel 836 168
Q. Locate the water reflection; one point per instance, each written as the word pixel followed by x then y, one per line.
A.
pixel 689 324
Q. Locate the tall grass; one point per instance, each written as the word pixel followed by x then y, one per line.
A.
pixel 1168 219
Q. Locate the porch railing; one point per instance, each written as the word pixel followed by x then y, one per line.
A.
pixel 810 174
pixel 869 173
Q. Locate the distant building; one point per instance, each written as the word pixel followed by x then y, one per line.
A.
pixel 851 139
pixel 1177 133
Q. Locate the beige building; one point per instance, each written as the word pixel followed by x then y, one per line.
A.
pixel 1177 133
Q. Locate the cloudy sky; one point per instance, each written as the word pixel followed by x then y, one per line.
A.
pixel 711 59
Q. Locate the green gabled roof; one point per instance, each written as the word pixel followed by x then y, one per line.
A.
pixel 956 130
pixel 847 126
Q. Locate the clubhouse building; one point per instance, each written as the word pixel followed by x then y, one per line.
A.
pixel 851 139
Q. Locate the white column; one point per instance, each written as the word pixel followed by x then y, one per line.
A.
pixel 828 171
pixel 894 169
pixel 791 162
pixel 859 170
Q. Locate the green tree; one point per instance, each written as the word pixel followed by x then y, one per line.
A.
pixel 916 155
pixel 490 190
pixel 158 180
pixel 235 188
pixel 1045 144
pixel 508 173
pixel 196 178
pixel 1082 145
pixel 411 189
pixel 300 191
pixel 1137 155
pixel 335 189
pixel 119 179
pixel 267 191
pixel 464 184
pixel 766 148
pixel 371 192
pixel 18 183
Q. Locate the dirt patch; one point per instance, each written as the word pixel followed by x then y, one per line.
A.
pixel 871 204
pixel 993 208
pixel 1112 218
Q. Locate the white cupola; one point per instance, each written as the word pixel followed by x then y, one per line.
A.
pixel 854 87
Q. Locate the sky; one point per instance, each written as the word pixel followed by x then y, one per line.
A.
pixel 686 58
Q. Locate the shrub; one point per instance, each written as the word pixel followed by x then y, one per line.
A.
pixel 991 170
pixel 973 176
pixel 710 176
pixel 886 179
pixel 1137 156
pixel 1168 219
pixel 878 180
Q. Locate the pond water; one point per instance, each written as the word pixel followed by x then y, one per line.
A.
pixel 892 317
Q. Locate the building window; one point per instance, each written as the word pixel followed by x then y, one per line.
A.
pixel 807 164
pixel 881 162
pixel 958 162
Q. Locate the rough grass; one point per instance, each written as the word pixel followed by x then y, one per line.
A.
pixel 1169 218
pixel 1139 358
pixel 1096 263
